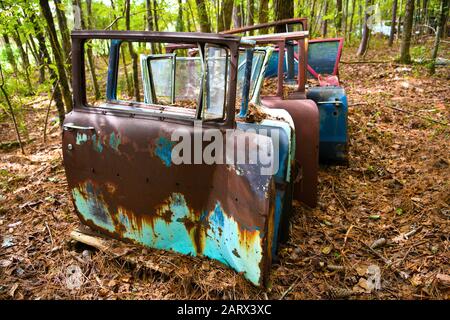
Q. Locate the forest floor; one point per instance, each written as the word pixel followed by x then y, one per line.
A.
pixel 396 188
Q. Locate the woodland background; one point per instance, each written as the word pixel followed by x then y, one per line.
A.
pixel 35 35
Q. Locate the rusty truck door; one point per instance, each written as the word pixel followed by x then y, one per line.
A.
pixel 124 183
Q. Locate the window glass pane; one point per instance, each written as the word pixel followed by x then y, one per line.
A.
pixel 257 63
pixel 188 81
pixel 162 69
pixel 216 82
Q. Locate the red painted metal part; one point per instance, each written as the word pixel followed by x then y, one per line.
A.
pixel 305 114
pixel 338 58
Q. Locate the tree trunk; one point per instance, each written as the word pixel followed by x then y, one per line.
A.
pixel 312 19
pixel 32 47
pixel 344 18
pixel 10 55
pixel 405 56
pixel 283 10
pixel 203 16
pixel 149 15
pixel 250 13
pixel 338 17
pixel 325 22
pixel 180 22
pixel 425 13
pixel 11 110
pixel 237 16
pixel 351 20
pixel 65 34
pixel 127 77
pixel 155 20
pixel 89 49
pixel 442 13
pixel 57 96
pixel 37 58
pixel 263 14
pixel 191 12
pixel 444 19
pixel 225 15
pixel 133 54
pixel 90 58
pixel 56 48
pixel 366 33
pixel 25 60
pixel 393 23
pixel 149 20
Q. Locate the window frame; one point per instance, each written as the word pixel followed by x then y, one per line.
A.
pixel 232 43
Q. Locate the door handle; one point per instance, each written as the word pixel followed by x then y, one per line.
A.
pixel 71 126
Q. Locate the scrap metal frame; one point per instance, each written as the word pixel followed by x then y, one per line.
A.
pixel 280 40
pixel 79 37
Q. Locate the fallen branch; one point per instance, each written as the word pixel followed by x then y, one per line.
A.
pixel 292 286
pixel 402 110
pixel 365 62
pixel 416 115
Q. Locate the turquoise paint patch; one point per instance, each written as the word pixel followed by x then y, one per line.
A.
pixel 97 143
pixel 114 141
pixel 223 243
pixel 223 238
pixel 164 150
pixel 91 206
pixel 81 138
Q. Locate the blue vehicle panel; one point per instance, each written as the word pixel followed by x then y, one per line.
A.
pixel 333 109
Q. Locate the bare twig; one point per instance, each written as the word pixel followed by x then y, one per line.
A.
pixel 8 102
pixel 49 232
pixel 346 235
pixel 292 286
pixel 48 110
pixel 121 17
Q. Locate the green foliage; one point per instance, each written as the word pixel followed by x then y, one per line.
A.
pixel 419 53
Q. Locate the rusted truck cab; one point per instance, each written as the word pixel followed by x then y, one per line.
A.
pixel 129 165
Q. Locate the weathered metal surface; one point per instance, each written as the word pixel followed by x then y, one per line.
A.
pixel 124 184
pixel 333 108
pixel 331 101
pixel 129 189
pixel 305 116
pixel 324 56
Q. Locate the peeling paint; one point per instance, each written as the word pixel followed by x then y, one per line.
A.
pixel 114 141
pixel 164 150
pixel 81 138
pixel 97 143
pixel 213 234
